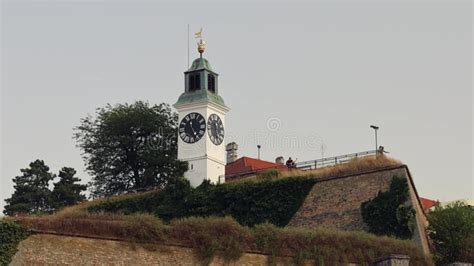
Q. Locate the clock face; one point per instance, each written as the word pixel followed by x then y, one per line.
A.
pixel 192 128
pixel 215 129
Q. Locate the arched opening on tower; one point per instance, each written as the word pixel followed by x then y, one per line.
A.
pixel 194 82
pixel 211 83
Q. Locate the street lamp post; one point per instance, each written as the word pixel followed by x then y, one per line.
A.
pixel 258 147
pixel 375 128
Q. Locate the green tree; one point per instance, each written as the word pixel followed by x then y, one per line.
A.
pixel 129 147
pixel 451 230
pixel 67 191
pixel 32 194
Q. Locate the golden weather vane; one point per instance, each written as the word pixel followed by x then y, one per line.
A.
pixel 201 44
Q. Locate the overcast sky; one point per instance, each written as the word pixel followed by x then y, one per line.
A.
pixel 296 75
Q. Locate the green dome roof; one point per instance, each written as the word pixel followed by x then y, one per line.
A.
pixel 200 64
pixel 200 96
pixel 203 94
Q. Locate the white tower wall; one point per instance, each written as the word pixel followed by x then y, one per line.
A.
pixel 205 159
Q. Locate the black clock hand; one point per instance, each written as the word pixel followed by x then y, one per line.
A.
pixel 192 128
pixel 214 129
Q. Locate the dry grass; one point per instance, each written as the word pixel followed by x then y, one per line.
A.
pixel 327 246
pixel 84 206
pixel 139 227
pixel 224 236
pixel 355 166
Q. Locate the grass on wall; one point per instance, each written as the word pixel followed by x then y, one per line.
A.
pixel 224 237
pixel 354 166
pixel 11 234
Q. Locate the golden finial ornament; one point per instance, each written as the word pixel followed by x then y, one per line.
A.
pixel 201 44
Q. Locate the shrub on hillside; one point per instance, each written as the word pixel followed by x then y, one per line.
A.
pixel 249 203
pixel 173 201
pixel 136 227
pixel 252 203
pixel 10 236
pixel 210 235
pixel 269 174
pixel 128 204
pixel 388 214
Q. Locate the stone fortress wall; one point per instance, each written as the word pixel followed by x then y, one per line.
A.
pixel 332 203
pixel 45 249
pixel 335 202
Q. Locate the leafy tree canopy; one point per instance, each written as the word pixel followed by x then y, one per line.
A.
pixel 32 194
pixel 130 146
pixel 451 230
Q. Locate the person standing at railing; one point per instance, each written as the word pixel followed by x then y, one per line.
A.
pixel 381 150
pixel 290 163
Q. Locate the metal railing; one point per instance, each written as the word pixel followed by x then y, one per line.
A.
pixel 314 164
pixel 306 165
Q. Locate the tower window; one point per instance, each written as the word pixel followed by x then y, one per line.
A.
pixel 194 82
pixel 211 83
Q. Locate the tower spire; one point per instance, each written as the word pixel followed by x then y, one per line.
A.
pixel 201 44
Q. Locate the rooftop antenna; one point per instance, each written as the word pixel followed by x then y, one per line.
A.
pixel 188 45
pixel 322 152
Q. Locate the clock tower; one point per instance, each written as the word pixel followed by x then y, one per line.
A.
pixel 201 128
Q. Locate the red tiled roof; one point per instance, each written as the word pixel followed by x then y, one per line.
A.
pixel 427 203
pixel 247 165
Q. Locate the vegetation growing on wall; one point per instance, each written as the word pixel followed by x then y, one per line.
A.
pixel 223 236
pixel 388 214
pixel 331 247
pixel 249 203
pixel 211 235
pixel 252 203
pixel 10 236
pixel 269 174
